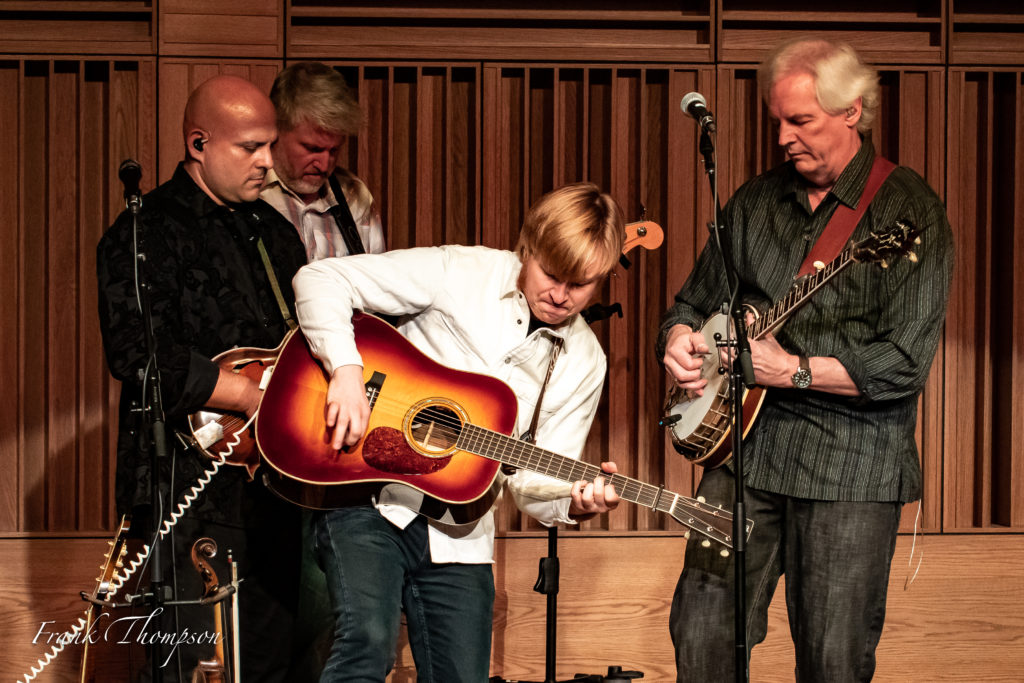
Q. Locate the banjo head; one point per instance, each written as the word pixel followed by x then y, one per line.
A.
pixel 702 420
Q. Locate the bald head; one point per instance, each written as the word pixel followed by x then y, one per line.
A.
pixel 228 127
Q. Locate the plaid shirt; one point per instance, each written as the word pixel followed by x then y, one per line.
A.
pixel 316 225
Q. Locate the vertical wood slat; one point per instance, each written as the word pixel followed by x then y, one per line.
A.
pixel 61 295
pixel 11 438
pixel 1016 416
pixel 93 490
pixel 32 304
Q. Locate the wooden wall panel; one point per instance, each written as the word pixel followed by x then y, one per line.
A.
pixel 76 118
pixel 884 31
pixel 982 475
pixel 67 27
pixel 663 30
pixel 948 625
pixel 227 28
pixel 985 32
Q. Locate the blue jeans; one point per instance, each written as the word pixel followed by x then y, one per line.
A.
pixel 836 558
pixel 375 571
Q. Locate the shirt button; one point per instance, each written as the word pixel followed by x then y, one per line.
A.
pixel 807 238
pixel 519 322
pixel 507 361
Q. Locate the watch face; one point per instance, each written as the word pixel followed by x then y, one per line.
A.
pixel 802 378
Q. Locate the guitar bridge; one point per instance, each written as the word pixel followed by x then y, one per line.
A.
pixel 373 387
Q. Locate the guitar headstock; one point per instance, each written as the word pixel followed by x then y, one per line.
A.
pixel 884 246
pixel 713 522
pixel 112 561
pixel 646 234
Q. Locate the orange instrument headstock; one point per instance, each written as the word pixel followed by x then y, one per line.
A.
pixel 646 234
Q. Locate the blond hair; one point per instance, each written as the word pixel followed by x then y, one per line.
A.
pixel 573 229
pixel 840 77
pixel 318 93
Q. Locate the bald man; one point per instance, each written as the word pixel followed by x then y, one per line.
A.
pixel 202 233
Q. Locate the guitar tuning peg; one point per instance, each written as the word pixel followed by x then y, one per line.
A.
pixel 912 256
pixel 724 553
pixel 110 544
pixel 701 499
pixel 917 240
pixel 818 265
pixel 885 264
pixel 686 535
pixel 705 543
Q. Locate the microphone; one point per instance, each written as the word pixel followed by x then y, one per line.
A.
pixel 694 105
pixel 130 174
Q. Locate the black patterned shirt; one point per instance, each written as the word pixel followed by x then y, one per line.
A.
pixel 883 325
pixel 209 292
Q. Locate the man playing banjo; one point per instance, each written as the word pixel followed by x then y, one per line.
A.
pixel 831 457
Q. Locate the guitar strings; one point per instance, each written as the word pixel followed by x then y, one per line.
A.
pixel 450 426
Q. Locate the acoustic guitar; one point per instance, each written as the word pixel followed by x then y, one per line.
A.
pixel 435 441
pixel 231 436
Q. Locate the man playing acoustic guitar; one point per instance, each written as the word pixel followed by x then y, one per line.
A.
pixel 831 457
pixel 511 315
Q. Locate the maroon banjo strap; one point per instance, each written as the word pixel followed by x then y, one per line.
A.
pixel 845 219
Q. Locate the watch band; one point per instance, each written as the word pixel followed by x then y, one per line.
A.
pixel 802 377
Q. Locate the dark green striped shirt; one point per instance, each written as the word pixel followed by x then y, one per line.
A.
pixel 883 325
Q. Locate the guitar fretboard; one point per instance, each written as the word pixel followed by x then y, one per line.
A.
pixel 521 454
pixel 798 293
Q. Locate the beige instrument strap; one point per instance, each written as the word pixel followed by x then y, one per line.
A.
pixel 287 314
pixel 556 348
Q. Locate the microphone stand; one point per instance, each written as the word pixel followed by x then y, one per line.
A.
pixel 152 412
pixel 548 576
pixel 741 375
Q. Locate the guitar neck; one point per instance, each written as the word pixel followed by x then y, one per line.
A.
pixel 798 294
pixel 523 455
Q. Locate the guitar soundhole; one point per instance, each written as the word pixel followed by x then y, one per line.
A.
pixel 434 429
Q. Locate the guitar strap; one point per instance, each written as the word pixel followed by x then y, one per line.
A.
pixel 844 221
pixel 343 218
pixel 556 348
pixel 287 314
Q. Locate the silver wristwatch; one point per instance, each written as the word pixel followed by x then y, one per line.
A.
pixel 802 377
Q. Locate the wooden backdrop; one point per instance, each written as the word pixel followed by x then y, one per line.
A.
pixel 471 114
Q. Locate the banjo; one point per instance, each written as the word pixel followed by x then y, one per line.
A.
pixel 700 426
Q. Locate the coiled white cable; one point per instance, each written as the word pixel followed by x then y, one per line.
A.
pixel 119 578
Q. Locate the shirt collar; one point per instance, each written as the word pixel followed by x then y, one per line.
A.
pixel 849 186
pixel 511 290
pixel 193 196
